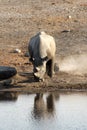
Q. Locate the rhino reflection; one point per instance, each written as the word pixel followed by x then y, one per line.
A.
pixel 50 103
pixel 44 107
pixel 8 96
pixel 51 98
pixel 39 106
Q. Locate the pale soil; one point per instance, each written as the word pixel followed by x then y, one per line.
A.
pixel 65 20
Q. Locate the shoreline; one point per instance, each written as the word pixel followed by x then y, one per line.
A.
pixel 61 82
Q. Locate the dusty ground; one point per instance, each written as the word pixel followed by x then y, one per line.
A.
pixel 66 20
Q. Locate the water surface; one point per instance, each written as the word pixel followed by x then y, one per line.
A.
pixel 49 111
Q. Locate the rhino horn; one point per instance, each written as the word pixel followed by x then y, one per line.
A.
pixel 37 68
pixel 36 74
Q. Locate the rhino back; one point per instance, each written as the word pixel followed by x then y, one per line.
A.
pixel 47 46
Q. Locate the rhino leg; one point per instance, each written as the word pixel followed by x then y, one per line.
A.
pixel 48 67
pixel 52 67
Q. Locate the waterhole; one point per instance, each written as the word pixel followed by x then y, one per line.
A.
pixel 43 111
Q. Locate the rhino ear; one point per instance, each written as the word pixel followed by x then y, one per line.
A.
pixel 37 68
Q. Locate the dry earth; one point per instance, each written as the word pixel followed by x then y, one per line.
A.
pixel 65 20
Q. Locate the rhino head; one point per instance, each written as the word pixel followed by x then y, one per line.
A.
pixel 39 67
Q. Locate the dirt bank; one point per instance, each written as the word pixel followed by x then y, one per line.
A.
pixel 66 20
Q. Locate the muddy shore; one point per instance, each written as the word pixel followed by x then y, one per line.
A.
pixel 66 21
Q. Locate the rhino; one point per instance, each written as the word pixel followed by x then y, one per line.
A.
pixel 42 50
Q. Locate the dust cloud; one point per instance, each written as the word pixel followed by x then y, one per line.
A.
pixel 75 64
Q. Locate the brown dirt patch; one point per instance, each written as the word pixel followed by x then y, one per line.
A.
pixel 19 20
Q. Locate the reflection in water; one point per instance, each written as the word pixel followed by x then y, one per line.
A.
pixel 44 108
pixel 48 111
pixel 8 96
pixel 50 103
pixel 39 106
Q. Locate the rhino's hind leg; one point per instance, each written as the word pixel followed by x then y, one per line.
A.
pixel 49 68
pixel 52 67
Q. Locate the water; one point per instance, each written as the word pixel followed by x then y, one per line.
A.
pixel 49 111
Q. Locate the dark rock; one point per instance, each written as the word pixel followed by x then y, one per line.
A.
pixel 8 96
pixel 65 31
pixel 7 72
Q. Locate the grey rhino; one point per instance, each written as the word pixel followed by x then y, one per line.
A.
pixel 42 50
